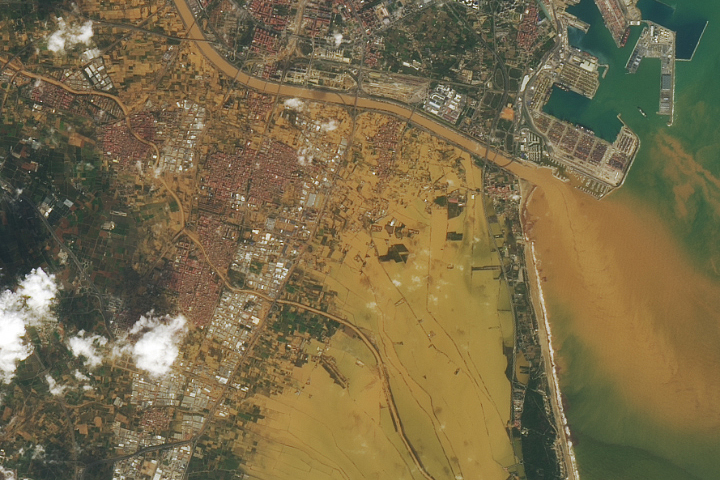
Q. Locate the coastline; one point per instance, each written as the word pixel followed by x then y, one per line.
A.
pixel 545 337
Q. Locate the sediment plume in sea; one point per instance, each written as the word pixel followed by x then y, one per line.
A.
pixel 571 462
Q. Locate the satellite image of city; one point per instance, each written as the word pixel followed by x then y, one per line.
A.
pixel 359 240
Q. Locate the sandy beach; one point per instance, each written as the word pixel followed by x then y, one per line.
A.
pixel 546 343
pixel 649 320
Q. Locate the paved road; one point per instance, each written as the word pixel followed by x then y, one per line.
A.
pixel 419 119
pixel 80 267
pixel 221 64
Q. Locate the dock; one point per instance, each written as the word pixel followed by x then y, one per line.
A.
pixel 657 41
pixel 580 73
pixel 573 21
pixel 618 16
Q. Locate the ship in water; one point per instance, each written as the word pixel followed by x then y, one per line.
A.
pixel 625 37
pixel 642 112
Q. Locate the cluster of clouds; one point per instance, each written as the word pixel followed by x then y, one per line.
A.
pixel 299 106
pixel 87 346
pixel 6 474
pixel 67 36
pixel 304 157
pixel 338 39
pixel 55 389
pixel 294 104
pixel 29 305
pixel 156 342
pixel 416 281
pixel 329 125
pixel 153 341
pixel 37 453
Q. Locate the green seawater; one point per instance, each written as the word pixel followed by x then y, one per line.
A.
pixel 614 440
pixel 696 126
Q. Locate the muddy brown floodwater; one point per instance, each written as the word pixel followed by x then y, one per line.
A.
pixel 649 322
pixel 623 293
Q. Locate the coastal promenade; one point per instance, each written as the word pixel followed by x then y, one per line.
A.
pixel 470 145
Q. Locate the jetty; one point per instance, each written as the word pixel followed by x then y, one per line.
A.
pixel 657 41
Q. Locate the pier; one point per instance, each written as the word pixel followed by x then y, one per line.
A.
pixel 657 41
pixel 580 73
pixel 618 15
pixel 573 21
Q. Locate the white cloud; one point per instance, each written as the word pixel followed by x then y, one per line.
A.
pixel 338 38
pixel 81 377
pixel 157 343
pixel 294 104
pixel 304 158
pixel 7 474
pixel 39 291
pixel 38 452
pixel 12 348
pixel 69 36
pixel 329 126
pixel 87 346
pixel 28 305
pixel 55 389
pixel 397 283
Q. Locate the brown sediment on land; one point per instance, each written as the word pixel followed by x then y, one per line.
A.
pixel 321 430
pixel 650 320
pixel 418 389
pixel 442 346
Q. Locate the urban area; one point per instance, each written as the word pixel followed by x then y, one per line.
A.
pixel 231 232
